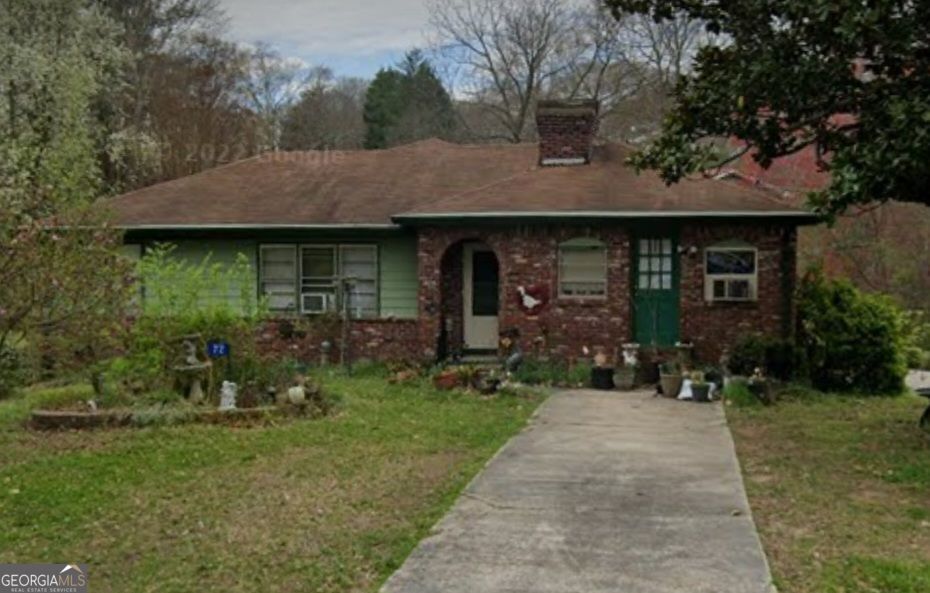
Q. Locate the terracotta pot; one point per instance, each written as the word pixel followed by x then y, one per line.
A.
pixel 447 380
pixel 671 384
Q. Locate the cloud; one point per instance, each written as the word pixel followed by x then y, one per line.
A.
pixel 347 30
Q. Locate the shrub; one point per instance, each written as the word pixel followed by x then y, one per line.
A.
pixel 535 371
pixel 852 341
pixel 918 349
pixel 182 298
pixel 12 370
pixel 777 357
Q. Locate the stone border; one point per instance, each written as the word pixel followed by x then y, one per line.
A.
pixel 67 420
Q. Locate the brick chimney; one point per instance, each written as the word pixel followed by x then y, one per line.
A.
pixel 566 130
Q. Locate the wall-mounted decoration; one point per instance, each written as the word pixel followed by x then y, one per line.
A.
pixel 532 299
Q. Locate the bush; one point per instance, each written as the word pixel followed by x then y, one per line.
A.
pixel 535 371
pixel 12 370
pixel 778 358
pixel 918 349
pixel 851 340
pixel 178 303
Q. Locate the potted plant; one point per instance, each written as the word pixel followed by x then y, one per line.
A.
pixel 670 378
pixel 625 377
pixel 700 388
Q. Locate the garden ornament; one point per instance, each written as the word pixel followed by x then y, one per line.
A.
pixel 228 394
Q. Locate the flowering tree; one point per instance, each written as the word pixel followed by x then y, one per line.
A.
pixel 62 284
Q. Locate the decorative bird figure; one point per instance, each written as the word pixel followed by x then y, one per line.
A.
pixel 528 301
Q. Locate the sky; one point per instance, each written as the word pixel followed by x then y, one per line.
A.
pixel 353 37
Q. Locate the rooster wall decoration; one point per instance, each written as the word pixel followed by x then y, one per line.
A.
pixel 532 299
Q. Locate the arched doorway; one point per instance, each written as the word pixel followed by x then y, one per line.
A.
pixel 470 290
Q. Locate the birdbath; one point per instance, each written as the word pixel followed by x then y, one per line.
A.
pixel 192 371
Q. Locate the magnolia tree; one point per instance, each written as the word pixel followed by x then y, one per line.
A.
pixel 843 78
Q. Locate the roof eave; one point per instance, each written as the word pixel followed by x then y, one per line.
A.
pixel 257 227
pixel 419 218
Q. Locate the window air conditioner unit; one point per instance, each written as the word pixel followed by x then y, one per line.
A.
pixel 316 302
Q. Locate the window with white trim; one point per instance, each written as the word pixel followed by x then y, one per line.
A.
pixel 313 279
pixel 278 276
pixel 583 268
pixel 730 273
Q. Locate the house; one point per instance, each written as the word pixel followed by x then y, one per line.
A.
pixel 436 248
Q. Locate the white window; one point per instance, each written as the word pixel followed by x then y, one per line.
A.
pixel 655 268
pixel 730 273
pixel 313 279
pixel 359 268
pixel 319 278
pixel 582 268
pixel 278 276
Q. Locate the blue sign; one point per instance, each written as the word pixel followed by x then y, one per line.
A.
pixel 217 349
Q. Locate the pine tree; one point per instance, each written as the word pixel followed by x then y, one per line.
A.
pixel 407 103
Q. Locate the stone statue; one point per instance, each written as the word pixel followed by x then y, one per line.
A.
pixel 228 394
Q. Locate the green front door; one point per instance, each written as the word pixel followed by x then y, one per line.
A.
pixel 655 289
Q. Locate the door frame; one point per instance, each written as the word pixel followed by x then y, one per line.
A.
pixel 479 332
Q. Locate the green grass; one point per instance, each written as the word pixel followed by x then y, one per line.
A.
pixel 334 504
pixel 840 490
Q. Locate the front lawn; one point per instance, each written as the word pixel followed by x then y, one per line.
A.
pixel 840 491
pixel 333 504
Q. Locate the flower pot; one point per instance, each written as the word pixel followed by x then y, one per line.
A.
pixel 602 378
pixel 447 380
pixel 700 393
pixel 671 384
pixel 625 378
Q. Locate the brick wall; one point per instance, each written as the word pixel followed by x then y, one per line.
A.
pixel 370 339
pixel 715 326
pixel 528 256
pixel 566 130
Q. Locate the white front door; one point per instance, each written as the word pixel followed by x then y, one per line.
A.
pixel 480 298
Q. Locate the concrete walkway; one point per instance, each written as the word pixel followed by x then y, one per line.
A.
pixel 619 492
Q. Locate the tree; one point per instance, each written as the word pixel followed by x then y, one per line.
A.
pixel 329 114
pixel 195 108
pixel 508 51
pixel 59 273
pixel 272 86
pixel 150 30
pixel 848 78
pixel 406 104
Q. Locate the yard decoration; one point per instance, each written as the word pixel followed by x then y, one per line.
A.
pixel 297 394
pixel 759 386
pixel 532 299
pixel 228 396
pixel 192 371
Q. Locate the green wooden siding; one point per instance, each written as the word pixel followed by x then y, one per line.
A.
pixel 397 282
pixel 222 252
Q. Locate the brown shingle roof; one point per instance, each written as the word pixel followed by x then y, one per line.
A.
pixel 428 177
